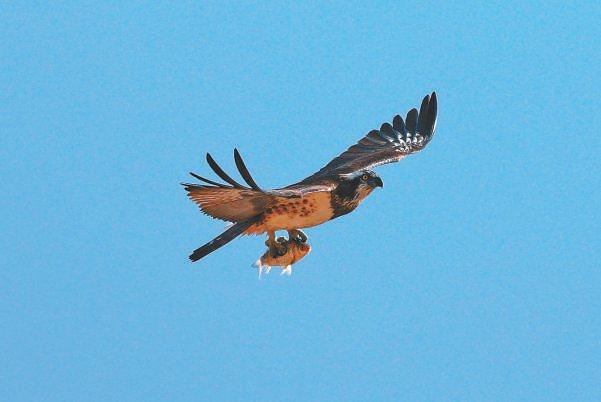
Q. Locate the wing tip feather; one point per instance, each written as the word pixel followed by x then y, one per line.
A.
pixel 244 172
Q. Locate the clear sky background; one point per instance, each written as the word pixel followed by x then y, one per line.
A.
pixel 473 275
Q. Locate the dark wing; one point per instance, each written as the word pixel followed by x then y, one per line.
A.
pixel 234 202
pixel 390 143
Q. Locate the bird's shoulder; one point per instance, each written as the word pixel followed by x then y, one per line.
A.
pixel 302 189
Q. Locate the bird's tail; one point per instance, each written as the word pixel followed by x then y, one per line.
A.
pixel 230 234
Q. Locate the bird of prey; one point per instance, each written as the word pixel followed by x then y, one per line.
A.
pixel 335 190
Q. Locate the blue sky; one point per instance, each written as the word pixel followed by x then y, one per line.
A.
pixel 473 275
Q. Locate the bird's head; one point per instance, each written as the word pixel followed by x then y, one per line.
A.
pixel 359 185
pixel 368 179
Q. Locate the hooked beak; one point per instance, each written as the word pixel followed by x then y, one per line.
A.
pixel 376 182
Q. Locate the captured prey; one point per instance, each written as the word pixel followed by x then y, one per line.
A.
pixel 291 252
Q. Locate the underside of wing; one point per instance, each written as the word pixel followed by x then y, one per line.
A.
pixel 390 143
pixel 234 202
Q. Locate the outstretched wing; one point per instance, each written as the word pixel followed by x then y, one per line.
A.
pixel 234 202
pixel 228 204
pixel 390 143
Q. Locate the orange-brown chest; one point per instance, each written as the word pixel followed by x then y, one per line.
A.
pixel 295 213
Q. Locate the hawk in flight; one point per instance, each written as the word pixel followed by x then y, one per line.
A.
pixel 335 190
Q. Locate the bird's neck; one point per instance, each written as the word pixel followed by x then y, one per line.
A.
pixel 346 197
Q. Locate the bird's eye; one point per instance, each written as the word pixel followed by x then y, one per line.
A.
pixel 365 177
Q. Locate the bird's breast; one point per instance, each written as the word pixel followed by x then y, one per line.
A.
pixel 293 213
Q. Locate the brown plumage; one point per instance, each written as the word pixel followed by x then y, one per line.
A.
pixel 335 190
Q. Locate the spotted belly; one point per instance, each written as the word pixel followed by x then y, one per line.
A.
pixel 295 213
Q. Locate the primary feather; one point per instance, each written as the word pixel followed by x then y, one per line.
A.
pixel 389 144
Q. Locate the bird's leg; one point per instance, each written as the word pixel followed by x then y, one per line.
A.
pixel 298 235
pixel 270 239
pixel 277 247
pixel 281 246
